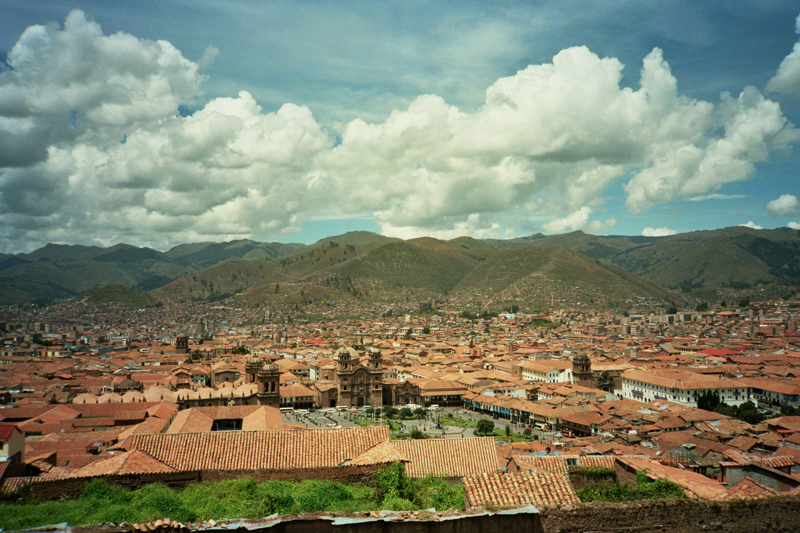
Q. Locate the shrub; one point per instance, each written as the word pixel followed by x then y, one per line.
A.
pixel 160 501
pixel 432 492
pixel 320 495
pixel 394 503
pixel 99 491
pixel 645 489
pixel 393 482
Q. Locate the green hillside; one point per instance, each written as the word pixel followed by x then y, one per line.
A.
pixel 117 295
pixel 363 264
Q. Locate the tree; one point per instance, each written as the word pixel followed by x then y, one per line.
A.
pixel 527 432
pixel 389 411
pixel 484 427
pixel 708 401
pixel 406 413
pixel 508 431
pixel 672 309
pixel 748 412
pixel 416 433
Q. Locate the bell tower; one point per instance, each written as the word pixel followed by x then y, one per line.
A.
pixel 582 370
pixel 374 359
pixel 269 385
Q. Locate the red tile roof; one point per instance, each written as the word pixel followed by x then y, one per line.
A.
pixel 133 462
pixel 536 488
pixel 259 450
pixel 449 457
pixel 748 489
pixel 6 430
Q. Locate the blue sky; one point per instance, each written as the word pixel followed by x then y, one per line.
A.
pixel 158 123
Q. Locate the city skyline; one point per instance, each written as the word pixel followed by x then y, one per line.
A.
pixel 161 124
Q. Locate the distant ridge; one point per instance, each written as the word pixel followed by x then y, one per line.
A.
pixel 361 263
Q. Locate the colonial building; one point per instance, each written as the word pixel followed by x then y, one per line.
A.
pixel 359 384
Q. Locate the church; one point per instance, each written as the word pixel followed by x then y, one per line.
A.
pixel 359 384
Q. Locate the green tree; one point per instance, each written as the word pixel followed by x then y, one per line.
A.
pixel 748 412
pixel 708 401
pixel 389 411
pixel 484 427
pixel 406 413
pixel 417 433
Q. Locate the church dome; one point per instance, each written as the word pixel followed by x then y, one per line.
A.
pixel 129 385
pixel 581 357
pixel 253 364
pixel 267 369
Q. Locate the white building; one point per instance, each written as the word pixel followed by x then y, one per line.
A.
pixel 681 387
pixel 550 371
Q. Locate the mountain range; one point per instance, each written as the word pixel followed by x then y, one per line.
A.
pixel 368 266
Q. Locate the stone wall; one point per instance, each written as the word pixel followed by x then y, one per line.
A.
pixel 772 515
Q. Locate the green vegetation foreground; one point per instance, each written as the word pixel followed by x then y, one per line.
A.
pixel 242 498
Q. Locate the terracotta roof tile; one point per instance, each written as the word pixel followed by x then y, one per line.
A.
pixel 449 457
pixel 536 488
pixel 259 450
pixel 385 452
pixel 748 489
pixel 558 463
pixel 133 462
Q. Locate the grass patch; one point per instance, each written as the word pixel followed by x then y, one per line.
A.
pixel 457 422
pixel 645 489
pixel 241 498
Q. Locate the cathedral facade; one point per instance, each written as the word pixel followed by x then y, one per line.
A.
pixel 359 384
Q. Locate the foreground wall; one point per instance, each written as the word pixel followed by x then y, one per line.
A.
pixel 772 515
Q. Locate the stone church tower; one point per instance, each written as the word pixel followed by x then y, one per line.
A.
pixel 267 377
pixel 582 370
pixel 182 343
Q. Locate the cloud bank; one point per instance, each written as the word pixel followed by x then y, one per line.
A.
pixel 93 148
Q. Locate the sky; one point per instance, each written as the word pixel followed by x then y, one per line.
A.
pixel 178 121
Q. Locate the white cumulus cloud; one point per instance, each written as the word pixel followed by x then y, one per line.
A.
pixel 657 232
pixel 93 149
pixel 787 79
pixel 752 225
pixel 794 225
pixel 783 206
